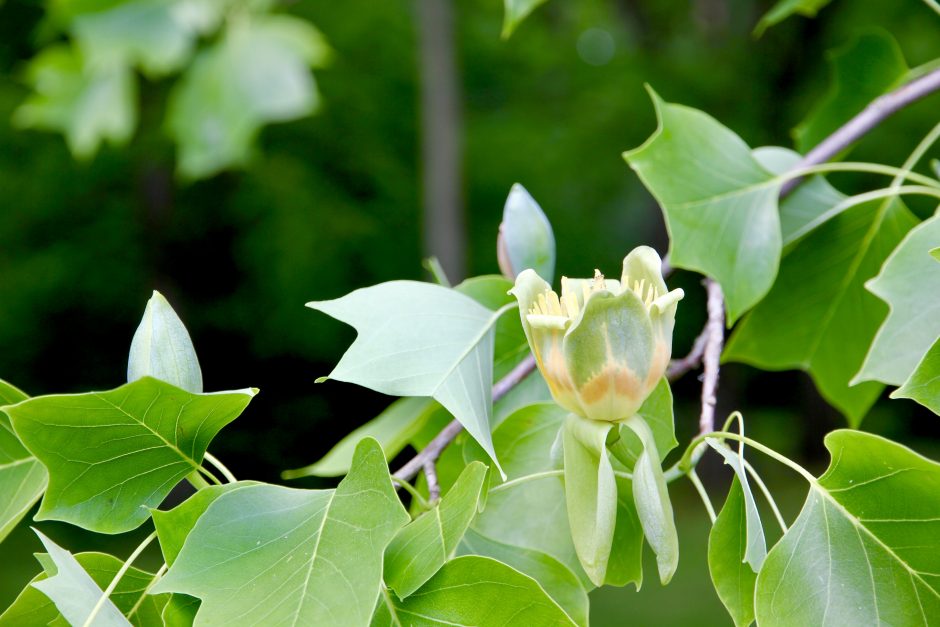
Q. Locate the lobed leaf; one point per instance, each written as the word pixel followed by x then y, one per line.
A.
pixel 923 385
pixel 136 442
pixel 265 554
pixel 22 478
pixel 728 543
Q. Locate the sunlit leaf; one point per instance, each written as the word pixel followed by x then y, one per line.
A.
pixel 256 74
pixel 861 71
pixel 525 238
pixel 720 204
pixel 111 455
pixel 88 106
pixel 162 349
pixel 268 555
pixel 418 339
pixel 22 478
pixel 423 546
pixel 923 385
pixel 785 8
pixel 33 607
pixel 473 590
pixel 515 12
pixel 818 317
pixel 865 549
pixel 554 577
pixel 909 283
pixel 727 546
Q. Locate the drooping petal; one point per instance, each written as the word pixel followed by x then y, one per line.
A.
pixel 609 351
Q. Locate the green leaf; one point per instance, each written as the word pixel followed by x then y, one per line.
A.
pixel 720 205
pixel 867 67
pixel 423 546
pixel 554 577
pixel 515 12
pixel 270 555
pixel 785 8
pixel 865 549
pixel 923 385
pixel 180 611
pixel 818 317
pixel 74 592
pixel 162 348
pixel 525 238
pixel 256 74
pixel 909 282
pixel 22 478
pixel 34 608
pixel 657 412
pixel 88 106
pixel 727 546
pixel 156 35
pixel 393 429
pixel 473 590
pixel 136 442
pixel 590 493
pixel 418 339
pixel 935 253
pixel 755 549
pixel 652 503
pixel 173 526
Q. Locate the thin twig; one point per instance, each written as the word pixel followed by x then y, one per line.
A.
pixel 714 341
pixel 678 367
pixel 434 449
pixel 871 116
pixel 434 488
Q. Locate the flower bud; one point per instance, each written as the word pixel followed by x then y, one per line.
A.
pixel 603 345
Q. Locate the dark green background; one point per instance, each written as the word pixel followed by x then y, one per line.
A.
pixel 332 203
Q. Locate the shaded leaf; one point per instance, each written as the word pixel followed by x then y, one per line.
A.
pixel 867 67
pixel 554 577
pixel 474 590
pixel 909 282
pixel 865 549
pixel 785 8
pixel 180 611
pixel 137 442
pixel 256 74
pixel 162 349
pixel 88 106
pixel 727 546
pixel 22 478
pixel 923 385
pixel 818 317
pixel 270 555
pixel 720 204
pixel 525 238
pixel 423 546
pixel 418 339
pixel 755 549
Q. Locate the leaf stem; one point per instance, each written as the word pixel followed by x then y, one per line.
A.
pixel 212 459
pixel 205 471
pixel 117 579
pixel 413 491
pixel 685 464
pixel 143 595
pixel 763 488
pixel 693 477
pixel 858 166
pixel 196 480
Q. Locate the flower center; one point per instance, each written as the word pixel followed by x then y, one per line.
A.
pixel 646 291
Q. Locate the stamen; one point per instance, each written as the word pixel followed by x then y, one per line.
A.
pixel 542 304
pixel 554 307
pixel 570 302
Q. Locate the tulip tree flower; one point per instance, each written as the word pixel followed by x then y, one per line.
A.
pixel 603 345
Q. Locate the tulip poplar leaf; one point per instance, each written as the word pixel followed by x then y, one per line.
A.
pixel 923 385
pixel 180 611
pixel 269 555
pixel 111 455
pixel 909 282
pixel 865 549
pixel 423 546
pixel 474 590
pixel 728 543
pixel 719 203
pixel 22 477
pixel 756 545
pixel 554 577
pixel 818 316
pixel 419 339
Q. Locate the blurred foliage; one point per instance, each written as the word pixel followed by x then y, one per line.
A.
pixel 331 202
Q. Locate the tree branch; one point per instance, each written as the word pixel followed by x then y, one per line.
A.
pixel 433 450
pixel 871 116
pixel 711 353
